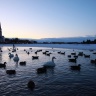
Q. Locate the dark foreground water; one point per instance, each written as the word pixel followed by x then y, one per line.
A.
pixel 60 81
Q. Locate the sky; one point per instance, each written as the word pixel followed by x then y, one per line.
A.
pixel 37 19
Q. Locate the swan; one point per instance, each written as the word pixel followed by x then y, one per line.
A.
pixel 16 58
pixel 11 55
pixel 50 63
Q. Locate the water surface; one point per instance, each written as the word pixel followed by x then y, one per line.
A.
pixel 58 81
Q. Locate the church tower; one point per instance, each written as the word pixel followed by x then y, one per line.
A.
pixel 0 30
pixel 2 39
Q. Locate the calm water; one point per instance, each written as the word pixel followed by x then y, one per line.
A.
pixel 60 81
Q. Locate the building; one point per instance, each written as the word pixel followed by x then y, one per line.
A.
pixel 2 39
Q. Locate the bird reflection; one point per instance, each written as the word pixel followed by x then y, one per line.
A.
pixel 16 65
pixel 0 55
pixel 50 70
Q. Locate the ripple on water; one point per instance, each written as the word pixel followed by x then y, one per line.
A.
pixel 60 81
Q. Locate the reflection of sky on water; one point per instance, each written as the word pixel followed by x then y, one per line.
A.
pixel 55 81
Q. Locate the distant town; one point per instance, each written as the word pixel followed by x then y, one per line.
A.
pixel 4 40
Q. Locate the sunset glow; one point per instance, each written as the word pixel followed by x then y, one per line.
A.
pixel 47 18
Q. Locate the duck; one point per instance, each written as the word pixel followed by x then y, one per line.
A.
pixel 31 85
pixel 93 61
pixel 16 58
pixel 76 56
pixel 73 60
pixel 48 54
pixel 69 56
pixel 86 56
pixel 35 57
pixel 80 54
pixel 36 52
pixel 41 70
pixel 94 53
pixel 1 51
pixel 28 53
pixel 3 65
pixel 76 67
pixel 22 63
pixel 30 48
pixel 73 53
pixel 50 63
pixel 59 52
pixel 14 50
pixel 63 53
pixel 11 55
pixel 11 72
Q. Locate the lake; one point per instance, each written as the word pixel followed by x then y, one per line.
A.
pixel 58 81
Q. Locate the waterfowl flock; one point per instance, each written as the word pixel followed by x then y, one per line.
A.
pixel 72 60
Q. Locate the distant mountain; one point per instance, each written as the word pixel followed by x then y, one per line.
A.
pixel 70 39
pixel 67 39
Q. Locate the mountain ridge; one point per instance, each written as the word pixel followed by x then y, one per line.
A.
pixel 67 39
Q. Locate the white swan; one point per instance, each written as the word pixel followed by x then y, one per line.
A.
pixel 11 55
pixel 16 58
pixel 50 63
